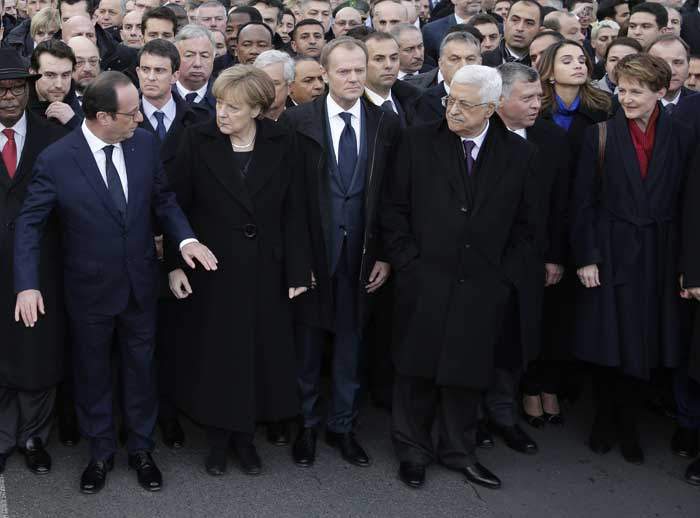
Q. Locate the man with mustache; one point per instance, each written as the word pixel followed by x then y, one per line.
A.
pixel 87 63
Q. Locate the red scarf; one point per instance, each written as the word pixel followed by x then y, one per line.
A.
pixel 643 141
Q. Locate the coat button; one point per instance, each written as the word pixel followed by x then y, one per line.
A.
pixel 463 209
pixel 467 246
pixel 250 231
pixel 461 281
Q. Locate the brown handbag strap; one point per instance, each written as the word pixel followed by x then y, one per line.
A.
pixel 602 139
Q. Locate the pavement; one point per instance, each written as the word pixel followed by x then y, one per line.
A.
pixel 565 479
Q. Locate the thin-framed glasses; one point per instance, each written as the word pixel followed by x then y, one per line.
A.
pixel 448 102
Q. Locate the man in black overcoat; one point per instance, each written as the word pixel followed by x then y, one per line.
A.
pixel 346 144
pixel 460 229
pixel 31 359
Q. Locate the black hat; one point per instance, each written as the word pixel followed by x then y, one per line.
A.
pixel 12 66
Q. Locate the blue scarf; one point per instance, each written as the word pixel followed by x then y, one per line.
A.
pixel 563 114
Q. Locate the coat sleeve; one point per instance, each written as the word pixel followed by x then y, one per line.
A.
pixel 557 223
pixel 584 204
pixel 391 138
pixel 689 264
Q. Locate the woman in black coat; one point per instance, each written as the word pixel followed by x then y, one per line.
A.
pixel 237 181
pixel 625 243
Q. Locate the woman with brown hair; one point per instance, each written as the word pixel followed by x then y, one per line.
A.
pixel 625 244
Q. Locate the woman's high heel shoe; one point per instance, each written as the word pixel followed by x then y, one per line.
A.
pixel 536 421
pixel 553 418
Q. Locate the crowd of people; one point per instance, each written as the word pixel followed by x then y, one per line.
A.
pixel 459 210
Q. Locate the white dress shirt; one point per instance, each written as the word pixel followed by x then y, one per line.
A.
pixel 675 100
pixel 402 75
pixel 169 110
pixel 478 141
pixel 20 128
pixel 337 124
pixel 522 132
pixel 184 91
pixel 96 146
pixel 378 100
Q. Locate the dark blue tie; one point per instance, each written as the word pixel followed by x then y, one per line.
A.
pixel 347 151
pixel 468 159
pixel 190 97
pixel 114 184
pixel 160 128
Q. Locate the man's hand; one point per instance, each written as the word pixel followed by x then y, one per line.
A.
pixel 295 292
pixel 179 285
pixel 380 273
pixel 29 304
pixel 552 273
pixel 588 275
pixel 60 111
pixel 201 253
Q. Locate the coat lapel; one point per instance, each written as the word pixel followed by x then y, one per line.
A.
pixel 629 157
pixel 264 164
pixel 491 163
pixel 662 145
pixel 33 144
pixel 134 176
pixel 448 157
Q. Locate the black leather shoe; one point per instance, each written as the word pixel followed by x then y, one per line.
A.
pixel 483 436
pixel 278 433
pixel 632 452
pixel 172 433
pixel 692 474
pixel 37 458
pixel 147 473
pixel 93 479
pixel 349 448
pixel 68 432
pixel 516 438
pixel 477 474
pixel 304 449
pixel 413 475
pixel 684 442
pixel 215 463
pixel 248 459
pixel 553 419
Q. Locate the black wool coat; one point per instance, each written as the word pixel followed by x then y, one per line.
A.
pixel 235 359
pixel 457 255
pixel 30 358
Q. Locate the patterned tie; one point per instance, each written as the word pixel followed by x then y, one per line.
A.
pixel 347 151
pixel 190 97
pixel 160 128
pixel 114 184
pixel 9 152
pixel 468 159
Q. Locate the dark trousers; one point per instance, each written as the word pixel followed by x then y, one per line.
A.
pixel 420 404
pixel 92 348
pixel 24 416
pixel 220 439
pixel 500 401
pixel 687 393
pixel 347 342
pixel 618 401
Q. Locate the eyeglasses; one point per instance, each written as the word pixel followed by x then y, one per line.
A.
pixel 93 62
pixel 134 115
pixel 15 90
pixel 449 102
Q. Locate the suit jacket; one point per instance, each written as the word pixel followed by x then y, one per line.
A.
pixel 450 299
pixel 30 359
pixel 309 122
pixel 429 106
pixel 407 96
pixel 208 103
pixel 424 80
pixel 221 63
pixel 20 39
pixel 496 57
pixel 690 30
pixel 434 32
pixel 107 258
pixel 688 112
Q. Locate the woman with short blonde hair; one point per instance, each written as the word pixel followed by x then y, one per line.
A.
pixel 44 25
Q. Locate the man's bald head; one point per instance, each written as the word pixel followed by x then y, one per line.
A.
pixel 78 26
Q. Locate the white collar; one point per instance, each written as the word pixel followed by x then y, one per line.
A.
pixel 170 109
pixel 403 74
pixel 664 102
pixel 460 20
pixel 334 109
pixel 520 132
pixel 184 91
pixel 479 139
pixel 20 126
pixel 378 99
pixel 94 142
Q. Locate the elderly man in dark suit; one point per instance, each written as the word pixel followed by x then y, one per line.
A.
pixel 466 181
pixel 196 46
pixel 346 144
pixel 31 361
pixel 106 182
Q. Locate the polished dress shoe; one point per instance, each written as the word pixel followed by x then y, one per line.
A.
pixel 483 436
pixel 692 474
pixel 278 433
pixel 413 475
pixel 350 449
pixel 68 432
pixel 172 433
pixel 248 459
pixel 304 449
pixel 147 473
pixel 93 479
pixel 37 458
pixel 516 438
pixel 632 452
pixel 478 474
pixel 215 463
pixel 684 442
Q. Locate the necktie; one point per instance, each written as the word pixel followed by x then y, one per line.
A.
pixel 160 128
pixel 388 107
pixel 669 108
pixel 468 159
pixel 190 97
pixel 347 151
pixel 9 152
pixel 114 184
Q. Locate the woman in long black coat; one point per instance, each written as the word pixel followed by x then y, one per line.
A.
pixel 625 243
pixel 237 181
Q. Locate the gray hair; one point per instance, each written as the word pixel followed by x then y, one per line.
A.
pixel 486 78
pixel 465 37
pixel 399 29
pixel 192 32
pixel 511 73
pixel 603 24
pixel 552 20
pixel 272 57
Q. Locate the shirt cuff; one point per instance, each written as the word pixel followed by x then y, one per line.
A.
pixel 185 242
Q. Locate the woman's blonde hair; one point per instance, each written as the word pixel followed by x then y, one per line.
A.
pixel 43 20
pixel 247 84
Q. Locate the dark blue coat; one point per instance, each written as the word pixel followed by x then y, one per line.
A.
pixel 434 32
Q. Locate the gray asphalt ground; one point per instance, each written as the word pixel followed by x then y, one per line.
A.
pixel 563 480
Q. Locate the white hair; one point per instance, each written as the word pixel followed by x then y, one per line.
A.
pixel 272 57
pixel 192 32
pixel 486 78
pixel 603 24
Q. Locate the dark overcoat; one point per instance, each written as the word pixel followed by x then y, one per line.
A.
pixel 629 227
pixel 456 255
pixel 30 358
pixel 235 358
